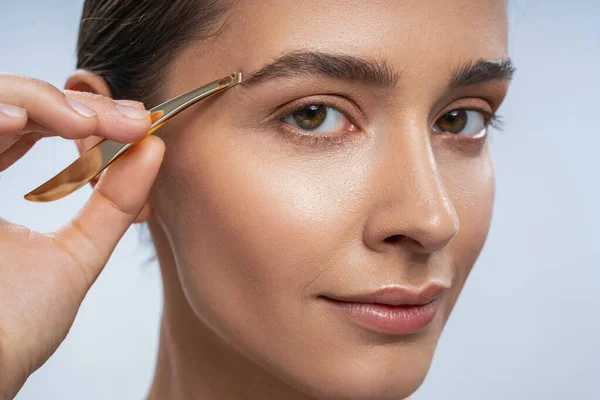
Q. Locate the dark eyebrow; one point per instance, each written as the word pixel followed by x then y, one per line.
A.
pixel 482 71
pixel 331 65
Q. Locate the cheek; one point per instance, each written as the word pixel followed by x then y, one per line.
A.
pixel 471 186
pixel 255 224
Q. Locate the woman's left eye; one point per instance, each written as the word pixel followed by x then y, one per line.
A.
pixel 319 118
pixel 462 122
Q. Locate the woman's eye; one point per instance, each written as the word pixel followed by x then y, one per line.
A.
pixel 461 122
pixel 319 118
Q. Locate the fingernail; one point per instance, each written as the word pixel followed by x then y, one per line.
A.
pixel 80 108
pixel 12 111
pixel 130 103
pixel 132 112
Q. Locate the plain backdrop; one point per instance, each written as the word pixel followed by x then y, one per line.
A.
pixel 526 325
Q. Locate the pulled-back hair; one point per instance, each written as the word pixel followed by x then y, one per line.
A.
pixel 130 42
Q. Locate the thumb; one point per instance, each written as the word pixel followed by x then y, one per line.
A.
pixel 116 200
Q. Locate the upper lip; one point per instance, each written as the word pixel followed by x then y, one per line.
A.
pixel 396 295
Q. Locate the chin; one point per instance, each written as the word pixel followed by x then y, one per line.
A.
pixel 356 365
pixel 326 356
pixel 366 380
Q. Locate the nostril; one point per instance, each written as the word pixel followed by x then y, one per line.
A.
pixel 395 239
pixel 404 241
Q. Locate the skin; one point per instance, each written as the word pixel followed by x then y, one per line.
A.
pixel 45 276
pixel 251 225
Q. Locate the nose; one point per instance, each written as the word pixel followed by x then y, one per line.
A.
pixel 413 209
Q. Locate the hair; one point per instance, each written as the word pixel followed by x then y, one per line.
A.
pixel 130 43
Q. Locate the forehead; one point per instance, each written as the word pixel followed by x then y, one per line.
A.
pixel 403 32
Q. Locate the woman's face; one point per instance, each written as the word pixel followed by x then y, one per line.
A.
pixel 357 161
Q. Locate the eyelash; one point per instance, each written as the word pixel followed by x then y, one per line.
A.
pixel 495 121
pixel 340 138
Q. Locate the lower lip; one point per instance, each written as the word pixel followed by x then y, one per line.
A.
pixel 383 318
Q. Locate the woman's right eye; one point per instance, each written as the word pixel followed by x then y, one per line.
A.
pixel 319 118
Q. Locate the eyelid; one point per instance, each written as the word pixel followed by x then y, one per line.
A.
pixel 471 103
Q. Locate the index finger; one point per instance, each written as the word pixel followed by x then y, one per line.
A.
pixel 74 115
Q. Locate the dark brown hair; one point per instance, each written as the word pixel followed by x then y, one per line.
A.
pixel 130 42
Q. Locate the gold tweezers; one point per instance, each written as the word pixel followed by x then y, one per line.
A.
pixel 96 159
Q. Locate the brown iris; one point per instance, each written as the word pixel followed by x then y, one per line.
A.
pixel 453 122
pixel 310 117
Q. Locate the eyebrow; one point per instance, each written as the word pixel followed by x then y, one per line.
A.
pixel 337 66
pixel 377 73
pixel 482 71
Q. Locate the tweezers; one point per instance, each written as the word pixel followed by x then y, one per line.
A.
pixel 105 152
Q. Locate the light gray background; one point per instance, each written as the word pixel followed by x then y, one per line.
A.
pixel 526 325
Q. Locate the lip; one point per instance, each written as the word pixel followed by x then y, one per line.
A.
pixel 392 310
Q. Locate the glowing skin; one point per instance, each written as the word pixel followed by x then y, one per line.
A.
pixel 252 225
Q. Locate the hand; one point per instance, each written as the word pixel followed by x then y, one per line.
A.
pixel 44 277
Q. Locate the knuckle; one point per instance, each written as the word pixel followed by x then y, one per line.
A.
pixel 111 203
pixel 36 85
pixel 131 103
pixel 12 77
pixel 22 86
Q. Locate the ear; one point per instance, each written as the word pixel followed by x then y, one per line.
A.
pixel 86 81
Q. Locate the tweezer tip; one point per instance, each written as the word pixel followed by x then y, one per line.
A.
pixel 232 79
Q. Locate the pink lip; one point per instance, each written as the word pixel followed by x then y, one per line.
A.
pixel 396 310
